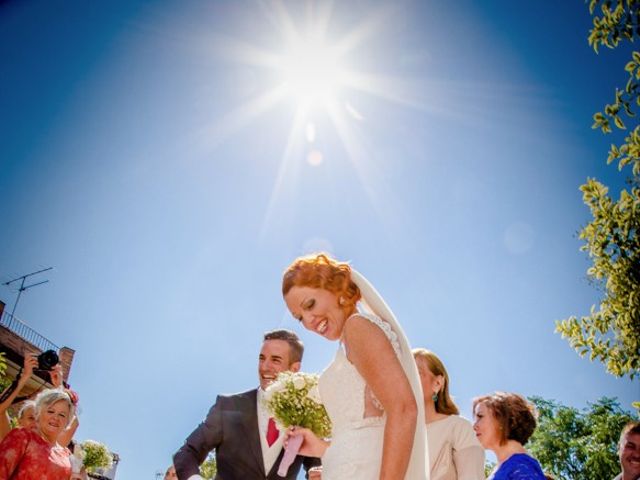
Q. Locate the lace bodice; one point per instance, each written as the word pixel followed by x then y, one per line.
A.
pixel 344 391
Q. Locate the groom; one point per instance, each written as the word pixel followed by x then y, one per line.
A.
pixel 247 443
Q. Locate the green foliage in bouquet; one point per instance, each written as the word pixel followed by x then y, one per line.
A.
pixel 294 400
pixel 96 455
pixel 208 469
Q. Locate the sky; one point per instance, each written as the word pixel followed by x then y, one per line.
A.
pixel 170 159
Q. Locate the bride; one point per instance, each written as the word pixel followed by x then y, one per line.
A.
pixel 371 390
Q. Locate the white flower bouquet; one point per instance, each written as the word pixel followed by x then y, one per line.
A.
pixel 294 400
pixel 91 455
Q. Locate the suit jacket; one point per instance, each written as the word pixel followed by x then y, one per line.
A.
pixel 231 428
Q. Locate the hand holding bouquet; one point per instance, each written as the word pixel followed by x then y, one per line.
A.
pixel 294 400
pixel 90 455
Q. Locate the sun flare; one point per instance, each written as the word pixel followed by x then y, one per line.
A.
pixel 312 73
pixel 325 71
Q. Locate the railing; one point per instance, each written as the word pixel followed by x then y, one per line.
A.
pixel 26 332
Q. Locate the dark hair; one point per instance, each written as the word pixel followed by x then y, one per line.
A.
pixel 631 427
pixel 516 417
pixel 296 347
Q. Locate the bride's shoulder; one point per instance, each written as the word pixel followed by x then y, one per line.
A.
pixel 361 326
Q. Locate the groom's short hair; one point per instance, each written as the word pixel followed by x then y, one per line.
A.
pixel 632 428
pixel 296 347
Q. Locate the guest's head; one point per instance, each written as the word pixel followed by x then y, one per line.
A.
pixel 54 412
pixel 435 381
pixel 629 451
pixel 502 417
pixel 281 351
pixel 27 414
pixel 320 293
pixel 171 474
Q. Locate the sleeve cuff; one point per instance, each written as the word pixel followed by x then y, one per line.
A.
pixel 195 477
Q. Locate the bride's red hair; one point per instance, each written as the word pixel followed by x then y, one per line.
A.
pixel 318 270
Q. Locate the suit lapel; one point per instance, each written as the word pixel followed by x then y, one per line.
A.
pixel 251 429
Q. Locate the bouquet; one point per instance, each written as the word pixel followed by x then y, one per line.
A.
pixel 91 455
pixel 294 400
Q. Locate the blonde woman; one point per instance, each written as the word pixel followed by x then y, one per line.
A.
pixel 33 453
pixel 454 450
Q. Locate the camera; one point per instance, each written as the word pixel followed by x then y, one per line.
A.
pixel 47 360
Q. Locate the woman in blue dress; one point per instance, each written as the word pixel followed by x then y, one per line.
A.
pixel 503 424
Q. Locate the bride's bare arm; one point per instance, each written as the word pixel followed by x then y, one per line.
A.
pixel 370 351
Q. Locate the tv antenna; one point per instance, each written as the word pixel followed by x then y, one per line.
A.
pixel 23 287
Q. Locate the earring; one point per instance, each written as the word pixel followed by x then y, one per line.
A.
pixel 342 301
pixel 434 397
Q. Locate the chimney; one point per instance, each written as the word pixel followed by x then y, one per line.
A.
pixel 66 358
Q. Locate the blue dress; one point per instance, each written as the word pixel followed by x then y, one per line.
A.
pixel 519 466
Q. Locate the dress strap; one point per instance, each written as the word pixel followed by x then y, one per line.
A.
pixel 385 327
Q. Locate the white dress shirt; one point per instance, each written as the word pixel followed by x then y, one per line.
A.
pixel 269 453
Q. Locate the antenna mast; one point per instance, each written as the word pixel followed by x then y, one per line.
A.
pixel 22 286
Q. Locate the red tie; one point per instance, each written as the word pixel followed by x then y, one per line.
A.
pixel 272 432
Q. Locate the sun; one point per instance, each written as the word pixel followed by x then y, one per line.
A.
pixel 312 73
pixel 328 71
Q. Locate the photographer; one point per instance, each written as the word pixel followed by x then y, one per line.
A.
pixel 46 361
pixel 36 452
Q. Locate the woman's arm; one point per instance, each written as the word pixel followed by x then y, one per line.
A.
pixel 67 435
pixel 369 349
pixel 30 362
pixel 468 454
pixel 469 463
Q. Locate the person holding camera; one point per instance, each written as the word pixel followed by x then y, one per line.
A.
pixel 47 361
pixel 27 454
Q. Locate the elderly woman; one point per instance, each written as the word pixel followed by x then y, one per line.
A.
pixel 454 450
pixel 26 454
pixel 27 414
pixel 503 424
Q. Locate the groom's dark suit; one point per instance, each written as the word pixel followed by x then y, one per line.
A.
pixel 231 428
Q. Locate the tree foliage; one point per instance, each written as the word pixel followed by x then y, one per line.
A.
pixel 610 332
pixel 5 381
pixel 209 468
pixel 574 444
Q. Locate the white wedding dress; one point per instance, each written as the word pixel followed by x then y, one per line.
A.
pixel 355 452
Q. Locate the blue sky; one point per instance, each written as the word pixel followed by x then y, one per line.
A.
pixel 134 160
